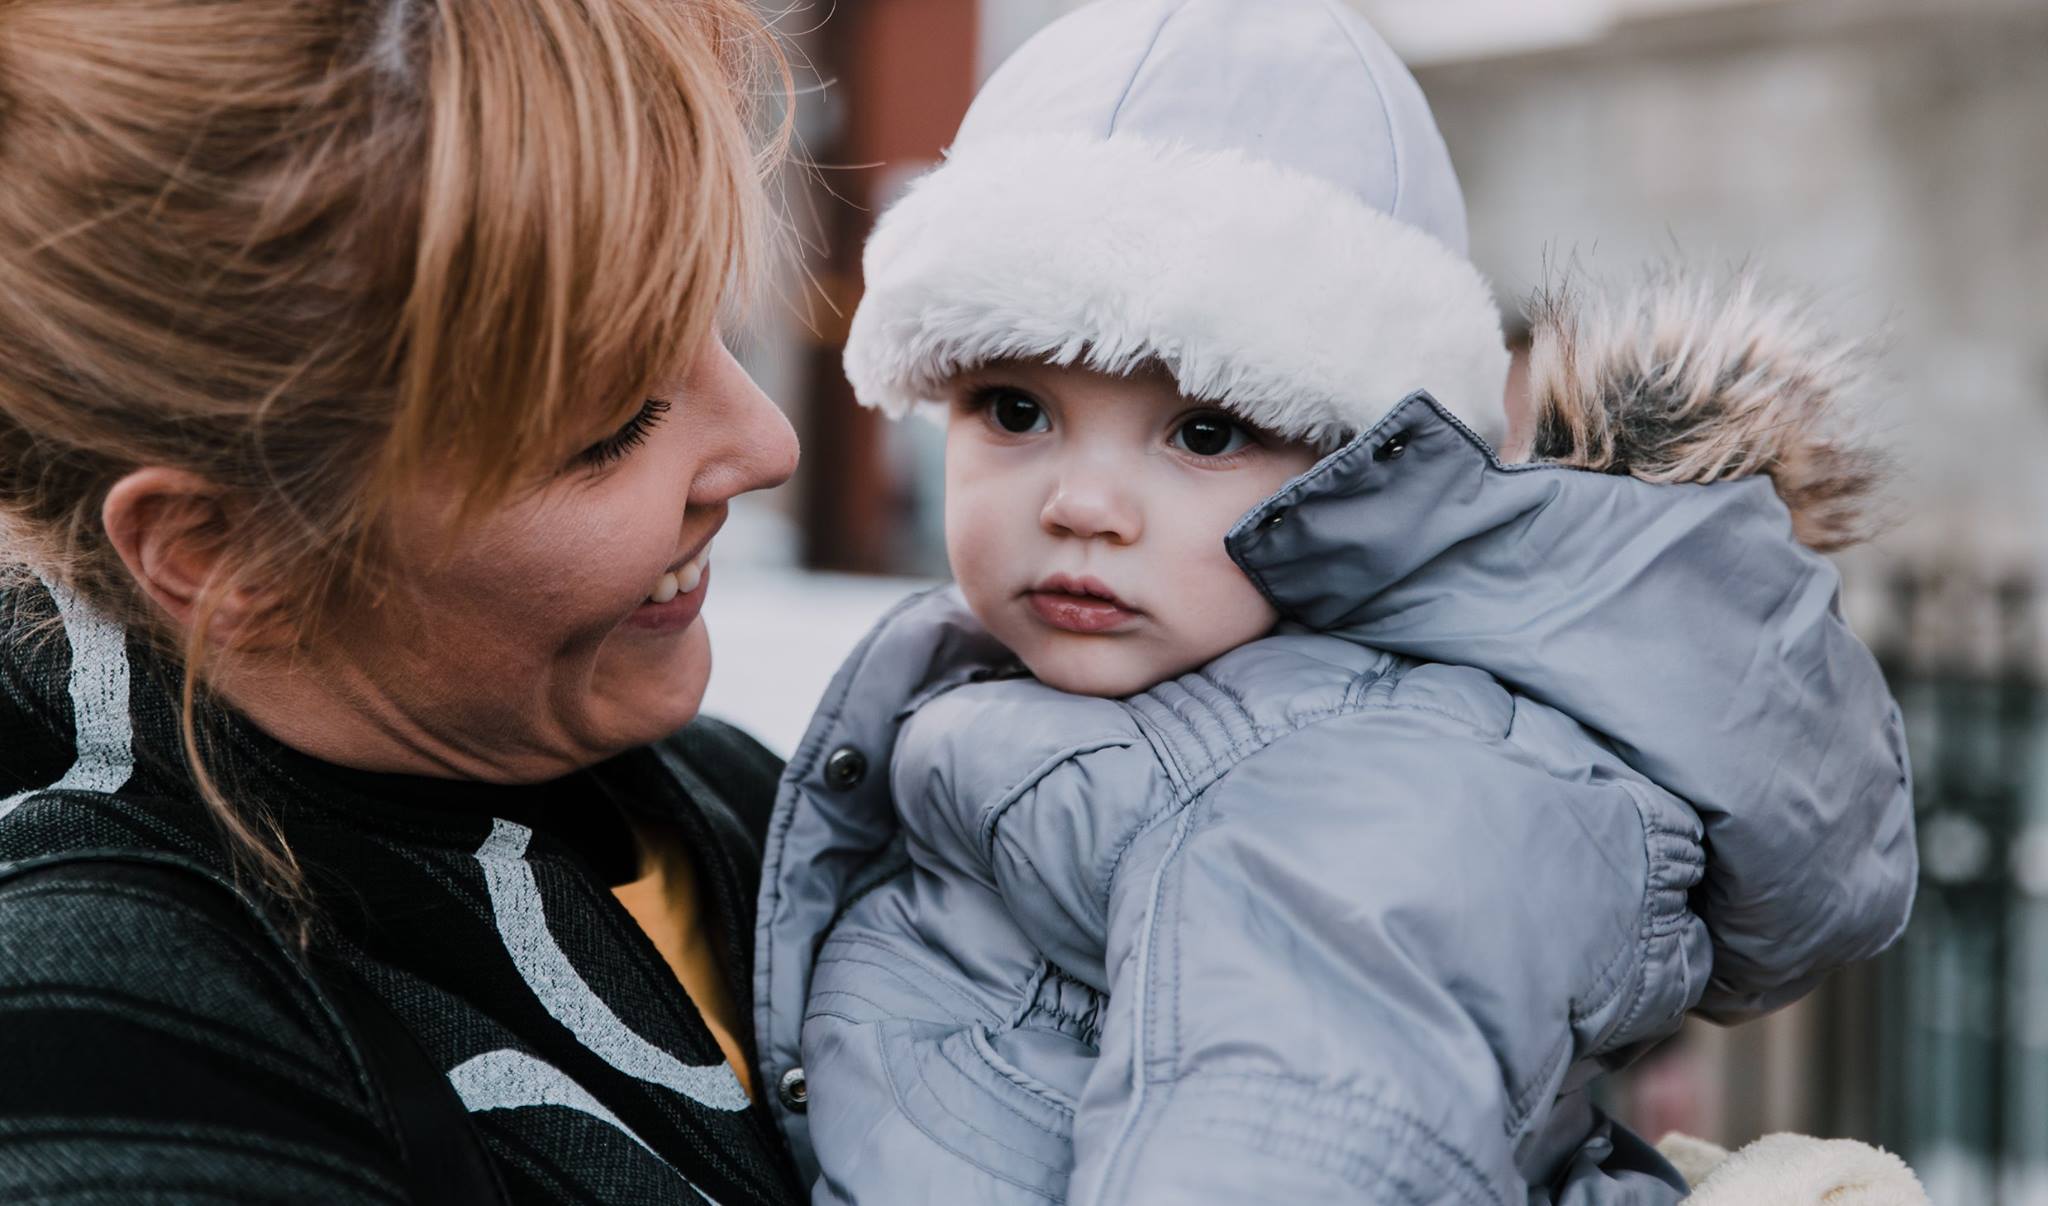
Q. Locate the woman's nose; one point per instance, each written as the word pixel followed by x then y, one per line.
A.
pixel 757 448
pixel 1093 506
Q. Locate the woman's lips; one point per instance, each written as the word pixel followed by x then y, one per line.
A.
pixel 678 612
pixel 1078 613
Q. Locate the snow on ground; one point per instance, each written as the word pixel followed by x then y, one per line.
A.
pixel 777 637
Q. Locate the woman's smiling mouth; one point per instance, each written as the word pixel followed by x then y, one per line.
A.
pixel 678 595
pixel 683 579
pixel 1081 605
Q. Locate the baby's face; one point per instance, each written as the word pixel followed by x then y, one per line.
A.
pixel 1085 517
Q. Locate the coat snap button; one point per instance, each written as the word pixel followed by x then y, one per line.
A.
pixel 1273 521
pixel 1392 449
pixel 845 768
pixel 793 1091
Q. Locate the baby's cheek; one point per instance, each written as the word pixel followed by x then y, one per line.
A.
pixel 980 548
pixel 1224 612
pixel 973 564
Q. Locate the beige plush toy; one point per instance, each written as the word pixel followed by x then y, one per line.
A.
pixel 1793 1170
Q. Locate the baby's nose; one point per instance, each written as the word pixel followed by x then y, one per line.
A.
pixel 1095 507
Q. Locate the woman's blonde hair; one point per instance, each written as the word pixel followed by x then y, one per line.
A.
pixel 306 248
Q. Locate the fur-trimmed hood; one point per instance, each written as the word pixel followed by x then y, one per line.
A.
pixel 1254 196
pixel 1417 539
pixel 1685 379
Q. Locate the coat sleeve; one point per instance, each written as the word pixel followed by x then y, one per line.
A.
pixel 156 1049
pixel 1365 984
pixel 1771 718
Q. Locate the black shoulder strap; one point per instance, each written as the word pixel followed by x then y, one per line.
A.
pixel 444 1158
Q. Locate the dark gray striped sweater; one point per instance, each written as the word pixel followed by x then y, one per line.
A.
pixel 159 1041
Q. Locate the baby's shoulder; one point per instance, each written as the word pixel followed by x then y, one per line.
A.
pixel 1261 693
pixel 993 738
pixel 1049 771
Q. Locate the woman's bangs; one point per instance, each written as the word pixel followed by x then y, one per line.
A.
pixel 593 197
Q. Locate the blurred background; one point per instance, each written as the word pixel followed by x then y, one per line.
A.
pixel 1890 157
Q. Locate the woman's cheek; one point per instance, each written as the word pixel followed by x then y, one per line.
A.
pixel 604 555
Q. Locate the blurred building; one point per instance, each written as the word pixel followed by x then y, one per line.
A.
pixel 1890 157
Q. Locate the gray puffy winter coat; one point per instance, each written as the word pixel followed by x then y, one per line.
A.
pixel 1539 760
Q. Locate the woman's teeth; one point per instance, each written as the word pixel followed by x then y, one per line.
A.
pixel 680 582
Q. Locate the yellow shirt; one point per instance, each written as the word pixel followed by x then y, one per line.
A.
pixel 664 901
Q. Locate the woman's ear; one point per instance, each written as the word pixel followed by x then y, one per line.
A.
pixel 174 531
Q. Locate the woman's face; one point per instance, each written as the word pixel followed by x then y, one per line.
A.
pixel 565 627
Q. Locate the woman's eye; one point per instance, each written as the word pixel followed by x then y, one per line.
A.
pixel 1017 414
pixel 614 447
pixel 1211 435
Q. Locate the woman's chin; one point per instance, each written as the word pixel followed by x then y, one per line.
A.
pixel 661 690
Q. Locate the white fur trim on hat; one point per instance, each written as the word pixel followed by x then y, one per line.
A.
pixel 1278 295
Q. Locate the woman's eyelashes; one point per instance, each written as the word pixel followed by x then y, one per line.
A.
pixel 615 446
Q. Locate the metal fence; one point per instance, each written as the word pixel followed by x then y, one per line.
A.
pixel 1939 1050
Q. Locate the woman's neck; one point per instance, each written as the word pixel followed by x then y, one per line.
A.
pixel 338 714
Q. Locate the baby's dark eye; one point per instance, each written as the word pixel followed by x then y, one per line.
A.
pixel 1016 413
pixel 1211 434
